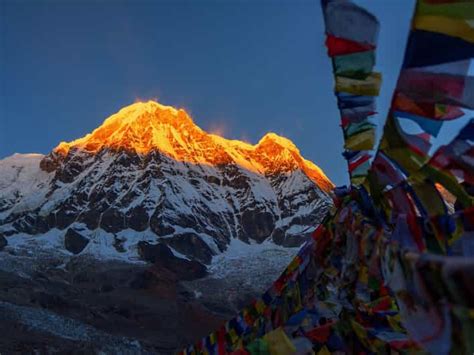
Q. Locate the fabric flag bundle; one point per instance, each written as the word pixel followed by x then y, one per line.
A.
pixel 351 40
pixel 433 87
pixel 391 268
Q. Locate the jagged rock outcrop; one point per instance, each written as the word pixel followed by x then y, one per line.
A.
pixel 3 242
pixel 74 241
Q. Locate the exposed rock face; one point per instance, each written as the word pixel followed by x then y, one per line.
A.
pixel 149 173
pixel 258 225
pixel 154 252
pixel 191 245
pixel 3 242
pixel 74 241
pixel 162 257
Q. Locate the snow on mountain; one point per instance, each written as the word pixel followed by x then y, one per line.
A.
pixel 23 184
pixel 149 173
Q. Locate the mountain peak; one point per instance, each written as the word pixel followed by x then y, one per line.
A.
pixel 144 107
pixel 143 114
pixel 139 127
pixel 273 138
pixel 150 126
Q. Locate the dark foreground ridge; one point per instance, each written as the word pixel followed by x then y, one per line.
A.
pixel 88 306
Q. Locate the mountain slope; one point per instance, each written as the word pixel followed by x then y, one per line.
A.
pixel 149 232
pixel 148 173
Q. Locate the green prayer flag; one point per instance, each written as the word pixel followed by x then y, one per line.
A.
pixel 356 66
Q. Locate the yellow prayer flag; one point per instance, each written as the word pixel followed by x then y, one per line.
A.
pixel 370 86
pixel 394 322
pixel 361 141
pixel 278 342
pixel 364 274
pixel 324 351
pixel 260 306
pixel 357 180
pixel 233 336
pixel 449 26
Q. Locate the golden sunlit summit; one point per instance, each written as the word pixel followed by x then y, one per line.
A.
pixel 146 126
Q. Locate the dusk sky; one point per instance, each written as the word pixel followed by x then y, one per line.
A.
pixel 240 68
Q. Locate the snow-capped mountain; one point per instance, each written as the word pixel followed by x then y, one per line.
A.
pixel 149 173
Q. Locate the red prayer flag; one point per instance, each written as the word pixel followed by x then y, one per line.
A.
pixel 340 46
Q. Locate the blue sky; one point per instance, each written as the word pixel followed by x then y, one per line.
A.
pixel 241 68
